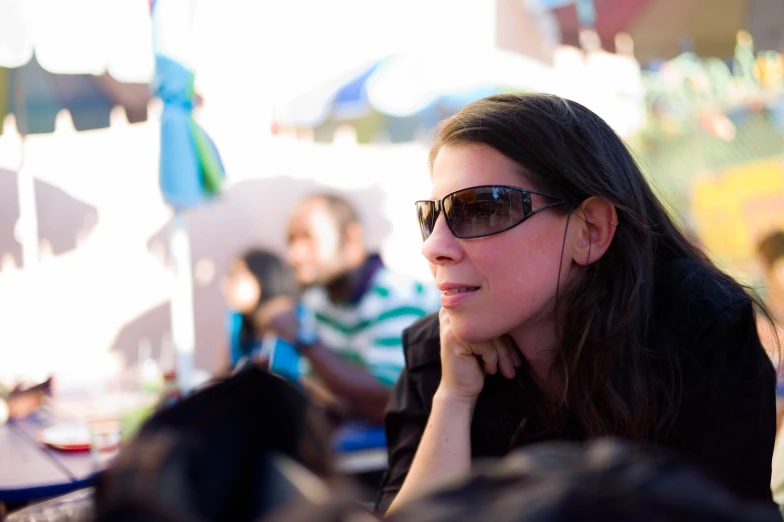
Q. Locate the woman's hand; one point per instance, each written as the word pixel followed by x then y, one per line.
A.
pixel 464 365
pixel 444 450
pixel 278 315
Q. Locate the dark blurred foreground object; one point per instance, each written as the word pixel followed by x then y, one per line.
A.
pixel 253 448
pixel 604 481
pixel 234 451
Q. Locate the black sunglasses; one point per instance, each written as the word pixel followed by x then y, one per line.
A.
pixel 480 211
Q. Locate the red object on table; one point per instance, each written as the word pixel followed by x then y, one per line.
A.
pixel 73 437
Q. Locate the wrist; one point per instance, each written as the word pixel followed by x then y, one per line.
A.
pixel 450 399
pixel 303 347
pixel 307 335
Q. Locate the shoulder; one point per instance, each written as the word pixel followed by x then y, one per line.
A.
pixel 421 342
pixel 696 298
pixel 708 320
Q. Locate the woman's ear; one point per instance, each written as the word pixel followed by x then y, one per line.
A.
pixel 354 234
pixel 597 223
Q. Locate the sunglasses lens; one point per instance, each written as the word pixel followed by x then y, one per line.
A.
pixel 427 215
pixel 483 211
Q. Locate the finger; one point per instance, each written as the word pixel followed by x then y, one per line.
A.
pixel 490 360
pixel 514 351
pixel 443 322
pixel 505 363
pixel 517 359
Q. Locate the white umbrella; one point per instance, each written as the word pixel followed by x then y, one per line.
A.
pixel 69 37
pixel 79 37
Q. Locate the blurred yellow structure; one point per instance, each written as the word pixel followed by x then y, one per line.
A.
pixel 734 209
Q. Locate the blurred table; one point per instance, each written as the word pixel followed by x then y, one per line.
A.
pixel 79 465
pixel 29 470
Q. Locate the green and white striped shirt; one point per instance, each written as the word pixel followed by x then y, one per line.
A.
pixel 369 333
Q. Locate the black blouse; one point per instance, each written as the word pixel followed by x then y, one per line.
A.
pixel 726 423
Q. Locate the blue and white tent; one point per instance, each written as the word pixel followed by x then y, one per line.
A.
pixel 400 98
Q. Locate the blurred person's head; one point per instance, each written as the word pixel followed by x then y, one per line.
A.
pixel 576 280
pixel 603 481
pixel 606 481
pixel 771 253
pixel 255 278
pixel 269 446
pixel 325 239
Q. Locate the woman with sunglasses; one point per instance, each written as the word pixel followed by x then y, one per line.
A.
pixel 572 309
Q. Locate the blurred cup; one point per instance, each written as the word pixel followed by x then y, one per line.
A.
pixel 103 415
pixel 110 417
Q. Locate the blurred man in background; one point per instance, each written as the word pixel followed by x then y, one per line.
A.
pixel 353 310
pixel 771 255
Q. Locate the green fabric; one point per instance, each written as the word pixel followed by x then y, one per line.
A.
pixel 369 333
pixel 380 290
pixel 387 341
pixel 211 171
pixel 340 327
pixel 401 311
pixel 350 329
pixel 4 94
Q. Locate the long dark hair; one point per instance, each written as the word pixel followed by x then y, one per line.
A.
pixel 275 279
pixel 569 152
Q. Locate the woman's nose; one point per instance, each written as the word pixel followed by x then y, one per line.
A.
pixel 441 247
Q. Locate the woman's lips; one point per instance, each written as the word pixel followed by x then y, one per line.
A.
pixel 454 296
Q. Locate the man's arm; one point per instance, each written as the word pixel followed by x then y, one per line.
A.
pixel 355 386
pixel 361 391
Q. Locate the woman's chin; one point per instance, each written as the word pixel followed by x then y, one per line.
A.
pixel 472 334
